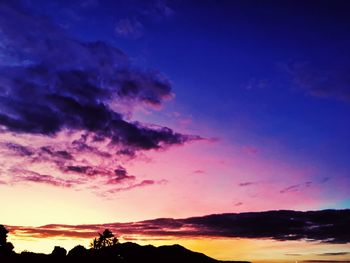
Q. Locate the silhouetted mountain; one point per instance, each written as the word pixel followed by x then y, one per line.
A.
pixel 120 253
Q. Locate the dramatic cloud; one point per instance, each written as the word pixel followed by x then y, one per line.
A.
pixel 329 226
pixel 51 81
pixel 74 99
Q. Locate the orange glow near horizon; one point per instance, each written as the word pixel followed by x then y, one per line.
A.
pixel 253 250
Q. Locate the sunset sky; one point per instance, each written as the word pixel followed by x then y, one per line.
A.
pixel 131 110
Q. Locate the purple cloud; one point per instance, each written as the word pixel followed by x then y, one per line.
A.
pixel 296 187
pixel 328 226
pixel 51 81
pixel 71 97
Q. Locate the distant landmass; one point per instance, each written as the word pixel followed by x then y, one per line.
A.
pixel 121 252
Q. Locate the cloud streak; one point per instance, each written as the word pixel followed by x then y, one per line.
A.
pixel 30 176
pixel 329 226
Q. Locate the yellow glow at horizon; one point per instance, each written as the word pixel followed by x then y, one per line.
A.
pixel 254 250
pixel 39 205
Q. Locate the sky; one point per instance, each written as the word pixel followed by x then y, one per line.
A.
pixel 124 111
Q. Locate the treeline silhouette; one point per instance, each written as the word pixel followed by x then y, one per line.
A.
pixel 105 247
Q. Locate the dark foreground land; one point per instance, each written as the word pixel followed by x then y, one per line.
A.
pixel 122 252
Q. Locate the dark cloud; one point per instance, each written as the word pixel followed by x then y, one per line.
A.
pixel 330 226
pixel 121 174
pixel 247 183
pixel 118 176
pixel 74 98
pixel 82 145
pixel 87 170
pixel 50 81
pixel 19 149
pixel 126 152
pixel 343 253
pixel 63 154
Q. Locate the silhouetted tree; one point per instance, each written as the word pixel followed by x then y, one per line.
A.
pixel 106 239
pixel 59 252
pixel 5 247
pixel 77 251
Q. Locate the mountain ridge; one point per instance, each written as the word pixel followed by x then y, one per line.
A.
pixel 127 252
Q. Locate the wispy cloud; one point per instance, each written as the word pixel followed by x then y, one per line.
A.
pixel 132 186
pixel 342 253
pixel 247 183
pixel 296 187
pixel 30 176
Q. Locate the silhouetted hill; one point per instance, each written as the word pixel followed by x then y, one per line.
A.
pixel 122 252
pixel 175 253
